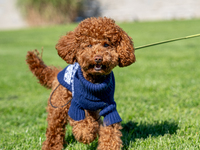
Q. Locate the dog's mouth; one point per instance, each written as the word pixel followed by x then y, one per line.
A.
pixel 98 67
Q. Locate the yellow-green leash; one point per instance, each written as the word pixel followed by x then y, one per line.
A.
pixel 167 41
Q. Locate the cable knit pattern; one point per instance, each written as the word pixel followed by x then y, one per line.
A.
pixel 89 96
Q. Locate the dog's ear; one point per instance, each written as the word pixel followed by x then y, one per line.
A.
pixel 67 47
pixel 125 49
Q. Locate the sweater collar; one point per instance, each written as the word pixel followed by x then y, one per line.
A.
pixel 101 90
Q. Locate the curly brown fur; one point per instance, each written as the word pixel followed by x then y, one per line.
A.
pixel 57 118
pixel 109 137
pixel 46 75
pixel 98 45
pixel 86 130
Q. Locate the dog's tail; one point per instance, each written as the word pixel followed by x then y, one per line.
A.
pixel 44 74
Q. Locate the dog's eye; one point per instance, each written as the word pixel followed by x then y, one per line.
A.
pixel 89 45
pixel 105 45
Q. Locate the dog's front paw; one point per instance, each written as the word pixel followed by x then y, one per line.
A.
pixel 110 137
pixel 85 131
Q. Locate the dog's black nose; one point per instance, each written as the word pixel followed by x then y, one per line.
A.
pixel 98 59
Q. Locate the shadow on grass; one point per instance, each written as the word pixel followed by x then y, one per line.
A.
pixel 70 140
pixel 93 145
pixel 133 130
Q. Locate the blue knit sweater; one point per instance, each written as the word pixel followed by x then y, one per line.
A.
pixel 89 96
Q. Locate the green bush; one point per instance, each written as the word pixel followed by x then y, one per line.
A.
pixel 39 12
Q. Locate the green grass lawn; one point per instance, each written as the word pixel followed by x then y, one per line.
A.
pixel 158 97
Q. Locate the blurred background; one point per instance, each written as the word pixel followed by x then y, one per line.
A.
pixel 25 13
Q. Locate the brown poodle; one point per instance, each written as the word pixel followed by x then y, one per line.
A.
pixel 84 90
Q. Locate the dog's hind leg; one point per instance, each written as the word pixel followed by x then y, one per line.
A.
pixel 55 134
pixel 57 119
